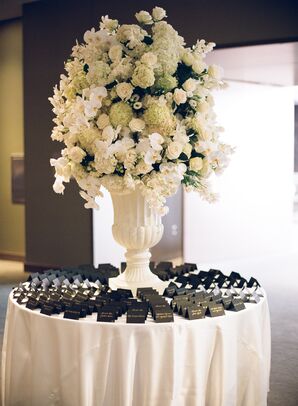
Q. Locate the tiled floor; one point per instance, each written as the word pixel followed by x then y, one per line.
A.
pixel 11 272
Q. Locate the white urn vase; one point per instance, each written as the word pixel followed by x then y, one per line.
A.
pixel 137 228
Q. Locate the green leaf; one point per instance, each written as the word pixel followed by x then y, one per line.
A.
pixel 183 157
pixel 156 166
pixel 86 160
pixel 184 109
pixel 183 73
pixel 157 92
pixel 148 40
pixel 135 137
pixel 190 132
pixel 111 85
pixel 193 138
pixel 192 173
pixel 195 154
pixel 120 170
pixel 191 178
pixel 139 91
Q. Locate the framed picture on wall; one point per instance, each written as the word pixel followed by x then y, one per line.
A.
pixel 17 179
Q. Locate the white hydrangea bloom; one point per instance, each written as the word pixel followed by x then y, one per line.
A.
pixel 134 108
pixel 132 35
pixel 144 17
pixel 108 24
pixel 168 47
pixel 158 13
pixel 149 58
pixel 76 154
pixel 115 53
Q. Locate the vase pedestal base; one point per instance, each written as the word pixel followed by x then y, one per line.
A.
pixel 152 281
pixel 137 273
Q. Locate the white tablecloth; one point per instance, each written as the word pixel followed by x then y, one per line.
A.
pixel 223 361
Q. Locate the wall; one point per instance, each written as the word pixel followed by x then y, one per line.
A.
pixel 254 214
pixel 59 230
pixel 296 138
pixel 228 23
pixel 11 136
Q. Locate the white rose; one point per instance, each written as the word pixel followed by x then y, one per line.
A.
pixel 76 154
pixel 155 141
pixel 195 164
pixel 198 66
pixel 136 125
pixel 149 58
pixel 174 150
pixel 108 134
pixel 124 90
pixel 142 168
pixel 102 121
pixel 215 71
pixel 187 149
pixel 190 85
pixel 158 13
pixel 188 58
pixel 115 53
pixel 180 96
pixel 144 17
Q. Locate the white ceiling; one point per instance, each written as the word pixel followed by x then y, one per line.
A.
pixel 275 64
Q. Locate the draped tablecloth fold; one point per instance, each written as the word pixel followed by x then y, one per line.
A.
pixel 50 361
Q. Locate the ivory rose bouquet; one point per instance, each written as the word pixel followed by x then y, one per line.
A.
pixel 135 109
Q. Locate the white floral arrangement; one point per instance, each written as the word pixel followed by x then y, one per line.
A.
pixel 135 109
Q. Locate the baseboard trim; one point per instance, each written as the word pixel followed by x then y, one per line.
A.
pixel 10 256
pixel 32 268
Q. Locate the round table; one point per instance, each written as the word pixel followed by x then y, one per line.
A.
pixel 222 361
